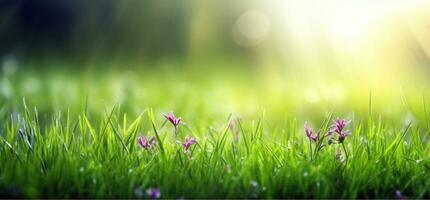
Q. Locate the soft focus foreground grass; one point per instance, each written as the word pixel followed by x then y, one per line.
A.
pixel 76 137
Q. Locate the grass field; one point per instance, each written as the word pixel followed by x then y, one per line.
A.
pixel 260 99
pixel 68 137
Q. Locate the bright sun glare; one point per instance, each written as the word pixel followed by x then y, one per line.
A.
pixel 348 21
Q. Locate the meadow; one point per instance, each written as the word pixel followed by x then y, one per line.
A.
pixel 261 99
pixel 67 135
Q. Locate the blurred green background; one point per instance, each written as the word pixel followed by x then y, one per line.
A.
pixel 292 58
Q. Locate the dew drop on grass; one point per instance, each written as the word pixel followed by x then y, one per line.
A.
pixel 318 184
pixel 81 169
pixel 418 161
pixel 130 171
pixel 254 183
pixel 305 174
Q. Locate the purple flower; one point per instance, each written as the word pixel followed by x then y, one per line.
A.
pixel 234 128
pixel 399 195
pixel 338 127
pixel 153 193
pixel 172 119
pixel 232 125
pixel 188 142
pixel 310 133
pixel 146 143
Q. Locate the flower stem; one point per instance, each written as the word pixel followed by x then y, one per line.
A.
pixel 346 153
pixel 310 147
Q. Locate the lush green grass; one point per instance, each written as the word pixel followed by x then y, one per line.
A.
pixel 89 149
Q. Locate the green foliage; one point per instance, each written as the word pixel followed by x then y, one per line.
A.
pixel 54 146
pixel 67 156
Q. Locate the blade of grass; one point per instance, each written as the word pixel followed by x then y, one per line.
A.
pixel 160 142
